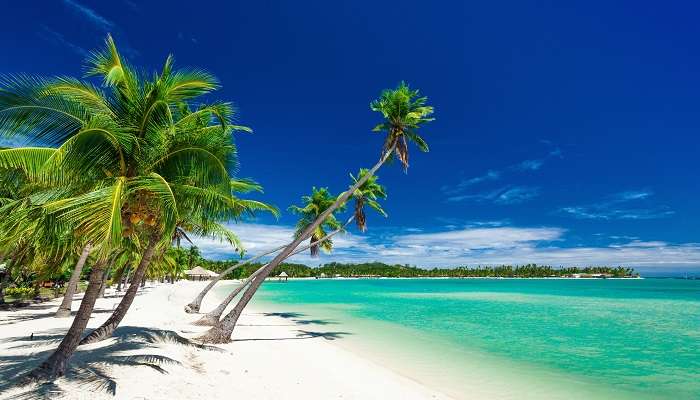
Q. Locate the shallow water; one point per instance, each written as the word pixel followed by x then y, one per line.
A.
pixel 514 338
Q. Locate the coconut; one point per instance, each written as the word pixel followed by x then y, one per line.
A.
pixel 135 218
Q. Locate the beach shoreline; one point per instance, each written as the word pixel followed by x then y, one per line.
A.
pixel 272 355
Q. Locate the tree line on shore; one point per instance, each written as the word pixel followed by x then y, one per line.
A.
pixel 378 269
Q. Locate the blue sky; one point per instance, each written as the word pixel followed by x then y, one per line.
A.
pixel 566 132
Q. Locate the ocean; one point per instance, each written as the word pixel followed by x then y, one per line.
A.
pixel 512 338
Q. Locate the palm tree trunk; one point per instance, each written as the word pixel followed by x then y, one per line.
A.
pixel 194 306
pixel 5 283
pixel 104 283
pixel 213 316
pixel 107 328
pixel 8 272
pixel 64 308
pixel 55 365
pixel 221 332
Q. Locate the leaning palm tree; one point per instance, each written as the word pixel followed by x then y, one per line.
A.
pixel 212 317
pixel 367 193
pixel 196 303
pixel 240 186
pixel 64 309
pixel 314 205
pixel 129 160
pixel 404 113
pixel 370 191
pixel 107 328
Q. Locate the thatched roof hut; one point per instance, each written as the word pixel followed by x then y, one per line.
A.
pixel 200 274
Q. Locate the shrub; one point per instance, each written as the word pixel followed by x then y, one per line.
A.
pixel 20 292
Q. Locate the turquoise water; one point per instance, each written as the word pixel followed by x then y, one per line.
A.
pixel 514 338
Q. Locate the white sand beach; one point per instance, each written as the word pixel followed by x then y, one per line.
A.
pixel 271 357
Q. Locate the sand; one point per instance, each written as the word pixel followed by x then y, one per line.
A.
pixel 271 357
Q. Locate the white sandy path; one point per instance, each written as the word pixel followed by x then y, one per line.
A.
pixel 286 366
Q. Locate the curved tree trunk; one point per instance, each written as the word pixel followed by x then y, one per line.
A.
pixel 194 306
pixel 107 328
pixel 221 332
pixel 212 317
pixel 105 274
pixel 55 365
pixel 64 308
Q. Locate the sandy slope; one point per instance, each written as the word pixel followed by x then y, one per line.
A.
pixel 271 357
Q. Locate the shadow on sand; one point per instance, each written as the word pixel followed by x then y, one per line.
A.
pixel 87 367
pixel 12 319
pixel 300 336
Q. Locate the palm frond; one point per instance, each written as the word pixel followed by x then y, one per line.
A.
pixel 29 109
pixel 30 160
pixel 96 215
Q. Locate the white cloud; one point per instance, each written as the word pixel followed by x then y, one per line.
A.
pixel 50 35
pixel 480 238
pixel 631 205
pixel 465 183
pixel 90 14
pixel 260 238
pixel 503 195
pixel 508 194
pixel 468 246
pixel 531 165
pixel 518 194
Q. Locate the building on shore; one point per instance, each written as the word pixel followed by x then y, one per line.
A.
pixel 200 274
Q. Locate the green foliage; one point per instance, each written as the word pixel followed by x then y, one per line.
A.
pixel 367 194
pixel 20 292
pixel 314 205
pixel 377 269
pixel 134 157
pixel 505 271
pixel 404 113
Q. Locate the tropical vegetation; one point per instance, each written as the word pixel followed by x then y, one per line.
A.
pixel 118 170
pixel 403 112
pixel 123 166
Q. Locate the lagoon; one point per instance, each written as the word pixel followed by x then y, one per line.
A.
pixel 514 338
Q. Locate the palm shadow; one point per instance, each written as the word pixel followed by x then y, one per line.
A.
pixel 297 322
pixel 121 294
pixel 301 336
pixel 12 319
pixel 88 365
pixel 315 322
pixel 284 314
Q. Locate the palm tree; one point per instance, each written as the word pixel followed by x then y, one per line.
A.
pixel 65 308
pixel 131 161
pixel 212 317
pixel 404 113
pixel 314 205
pixel 193 255
pixel 196 303
pixel 367 193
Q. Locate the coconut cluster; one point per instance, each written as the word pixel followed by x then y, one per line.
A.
pixel 137 213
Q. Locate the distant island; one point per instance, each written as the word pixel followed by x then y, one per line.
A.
pixel 377 269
